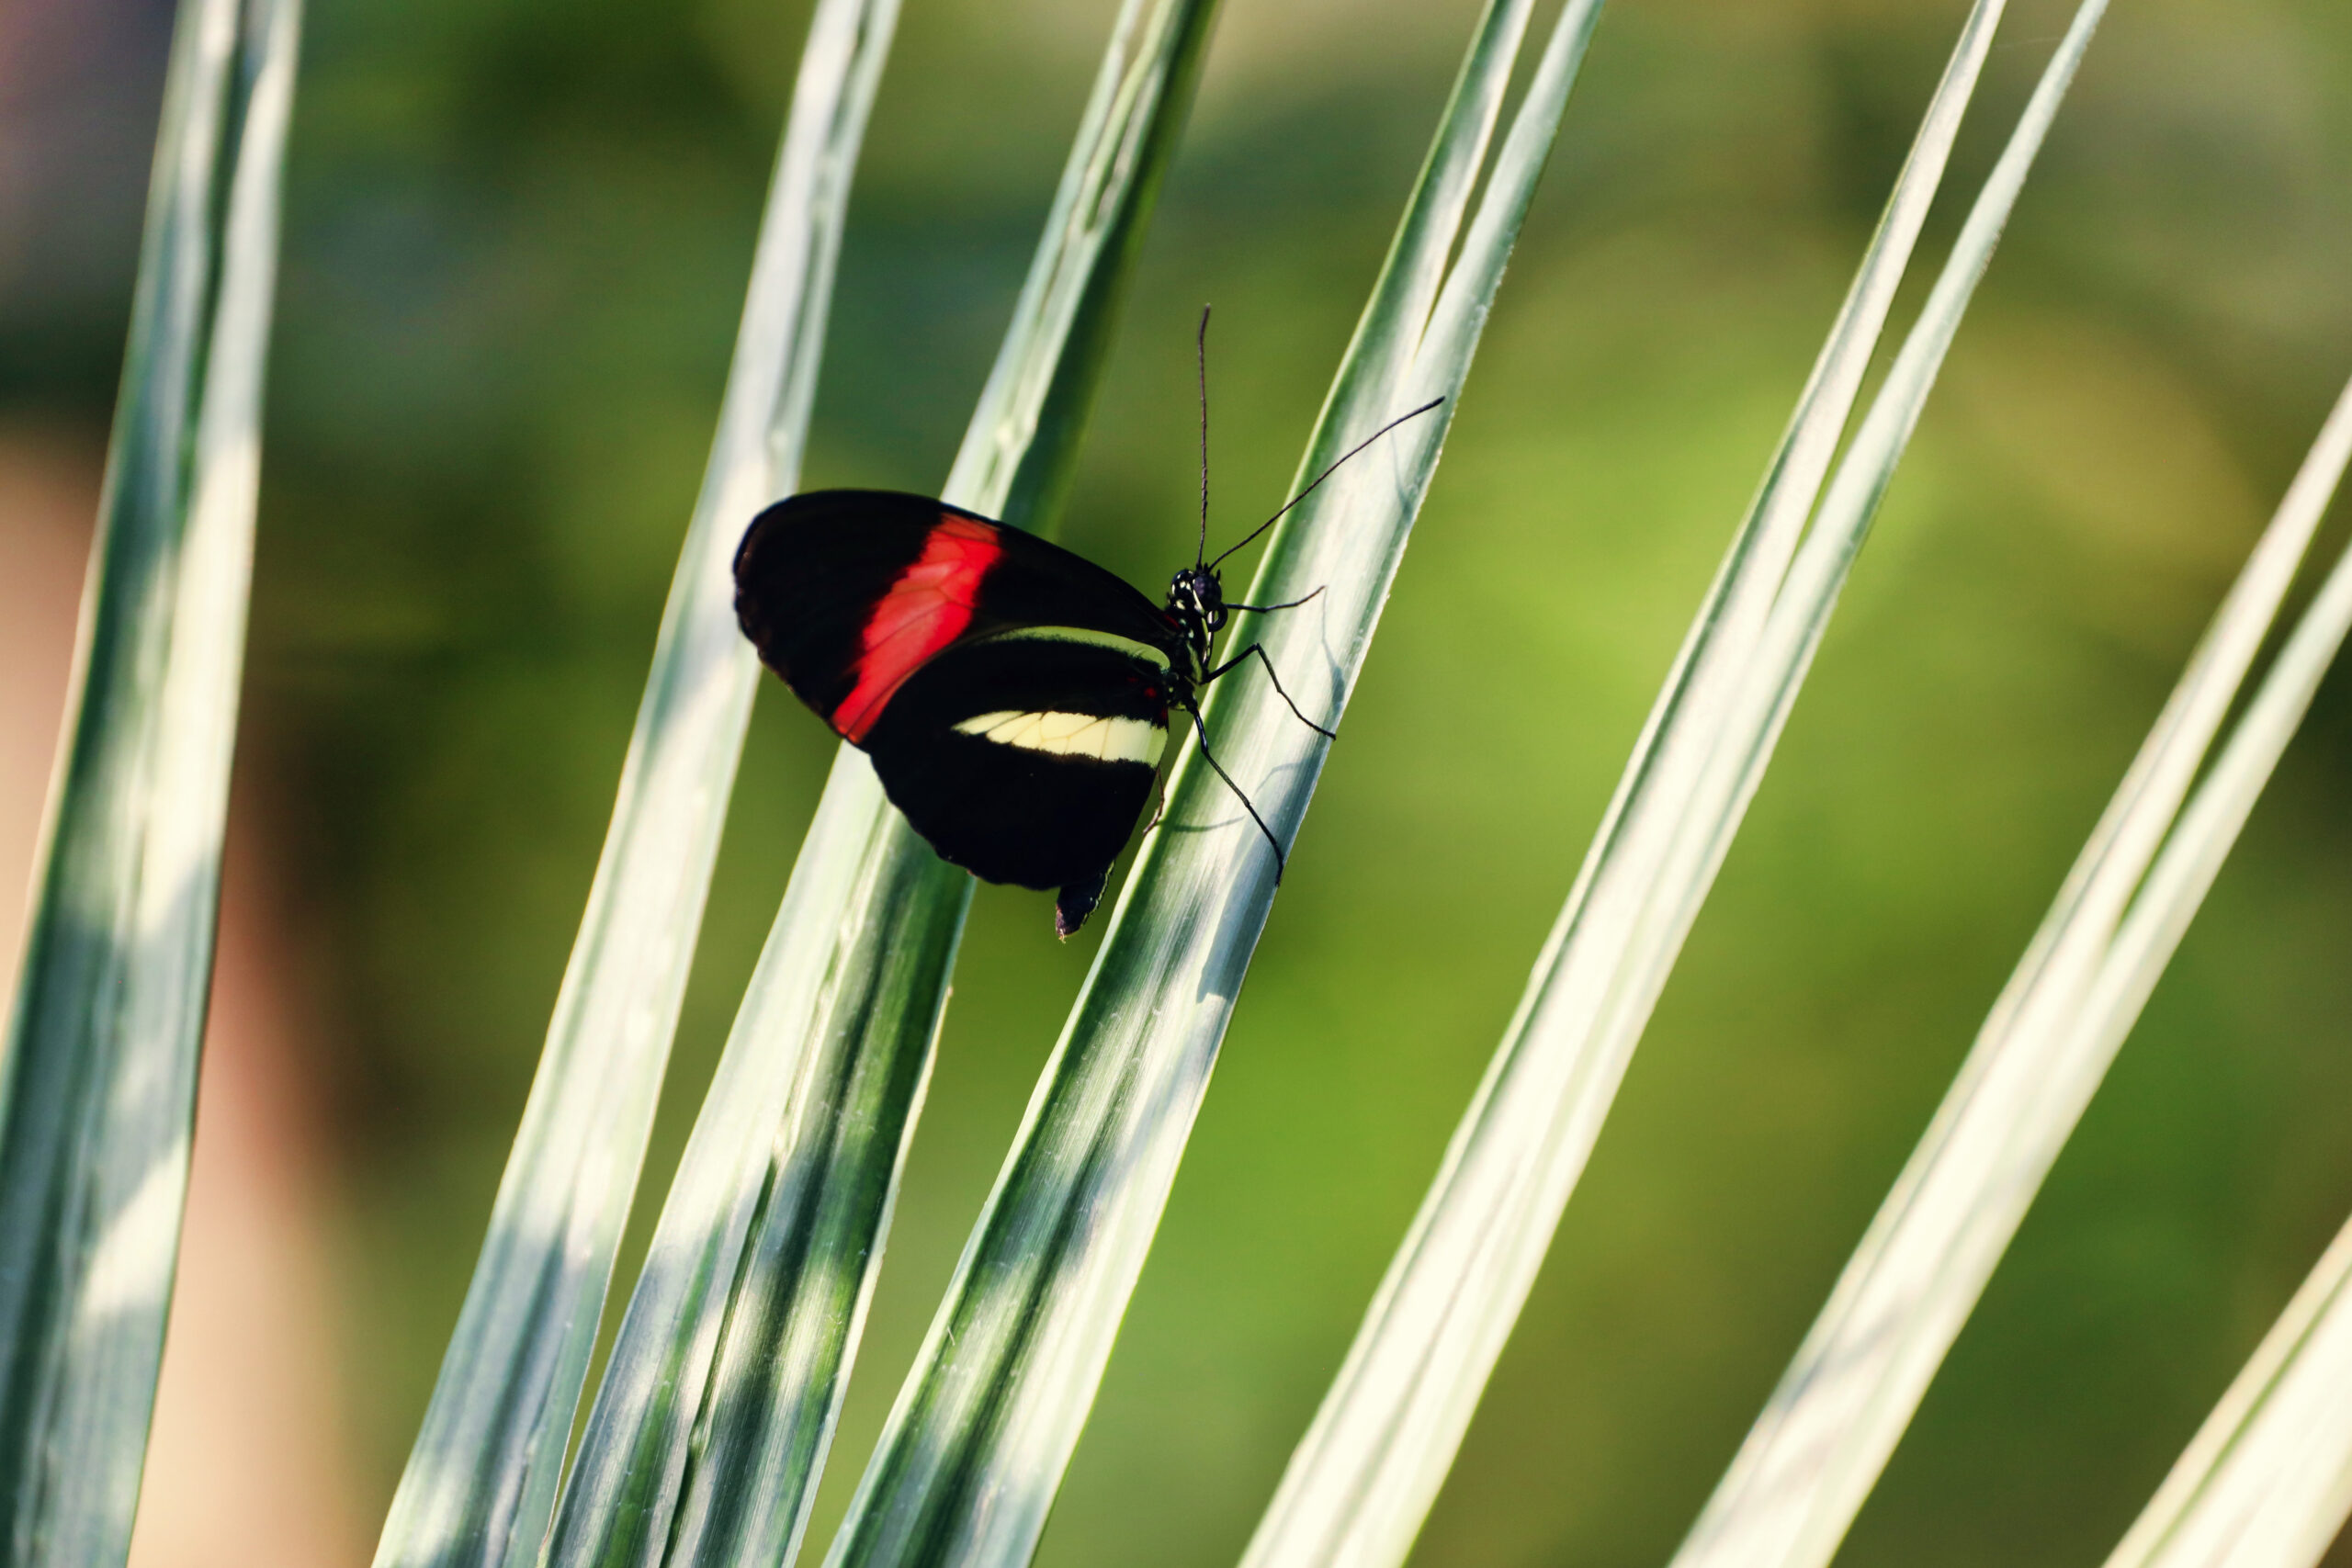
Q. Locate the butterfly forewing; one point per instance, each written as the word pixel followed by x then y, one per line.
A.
pixel 847 593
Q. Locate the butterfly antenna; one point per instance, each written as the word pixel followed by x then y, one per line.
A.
pixel 1271 842
pixel 1326 474
pixel 1202 347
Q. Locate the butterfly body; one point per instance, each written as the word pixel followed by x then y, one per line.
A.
pixel 1014 696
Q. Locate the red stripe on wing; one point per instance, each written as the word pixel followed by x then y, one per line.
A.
pixel 925 610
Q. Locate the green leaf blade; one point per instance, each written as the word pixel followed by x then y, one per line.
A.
pixel 1415 268
pixel 726 1380
pixel 2267 1482
pixel 976 1445
pixel 1022 445
pixel 1817 1448
pixel 1363 1477
pixel 708 1431
pixel 98 1076
pixel 481 1479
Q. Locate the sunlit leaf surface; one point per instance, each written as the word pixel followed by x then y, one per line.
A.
pixel 1363 1477
pixel 480 1482
pixel 1818 1448
pixel 711 1428
pixel 984 1428
pixel 98 1082
pixel 2268 1481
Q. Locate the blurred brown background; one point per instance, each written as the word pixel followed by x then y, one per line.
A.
pixel 517 237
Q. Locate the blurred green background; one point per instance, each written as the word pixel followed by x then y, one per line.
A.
pixel 517 233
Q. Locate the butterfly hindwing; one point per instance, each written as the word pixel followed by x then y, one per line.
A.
pixel 1027 757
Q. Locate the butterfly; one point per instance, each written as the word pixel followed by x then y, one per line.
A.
pixel 1014 696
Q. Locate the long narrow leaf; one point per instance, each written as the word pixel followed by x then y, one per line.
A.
pixel 708 1434
pixel 1819 1445
pixel 2267 1482
pixel 1397 312
pixel 984 1428
pixel 481 1482
pixel 1363 1478
pixel 98 1083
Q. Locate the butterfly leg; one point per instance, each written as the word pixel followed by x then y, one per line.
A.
pixel 1158 813
pixel 1260 650
pixel 1271 842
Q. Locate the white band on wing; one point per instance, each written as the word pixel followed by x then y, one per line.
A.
pixel 1083 637
pixel 1072 735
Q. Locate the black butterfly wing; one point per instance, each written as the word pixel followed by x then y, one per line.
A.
pixel 1013 696
pixel 1025 759
pixel 846 593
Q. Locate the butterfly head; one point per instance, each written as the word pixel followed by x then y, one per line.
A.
pixel 1196 600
